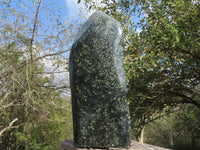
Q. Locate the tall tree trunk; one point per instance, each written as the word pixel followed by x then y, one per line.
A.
pixel 171 139
pixel 141 138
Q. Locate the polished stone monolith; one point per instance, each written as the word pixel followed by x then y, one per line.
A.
pixel 101 116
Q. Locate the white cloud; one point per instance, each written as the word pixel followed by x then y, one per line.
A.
pixel 77 11
pixel 138 30
pixel 59 73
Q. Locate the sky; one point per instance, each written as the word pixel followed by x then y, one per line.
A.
pixel 79 10
pixel 75 12
pixel 71 11
pixel 67 10
pixel 76 9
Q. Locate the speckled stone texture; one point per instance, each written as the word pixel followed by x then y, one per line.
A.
pixel 101 116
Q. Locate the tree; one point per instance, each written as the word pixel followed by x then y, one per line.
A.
pixel 179 130
pixel 33 114
pixel 162 61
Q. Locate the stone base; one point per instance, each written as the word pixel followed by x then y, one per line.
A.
pixel 69 145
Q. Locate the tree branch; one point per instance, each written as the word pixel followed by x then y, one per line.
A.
pixel 5 106
pixel 146 121
pixel 31 61
pixel 189 100
pixel 4 97
pixel 9 127
pixel 34 28
pixel 184 52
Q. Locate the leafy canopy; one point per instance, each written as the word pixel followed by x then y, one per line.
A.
pixel 162 61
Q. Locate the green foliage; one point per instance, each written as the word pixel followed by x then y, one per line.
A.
pixel 43 116
pixel 162 61
pixel 179 130
pixel 33 115
pixel 168 61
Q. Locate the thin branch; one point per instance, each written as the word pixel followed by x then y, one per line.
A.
pixel 161 116
pixel 9 127
pixel 5 96
pixel 197 56
pixel 130 44
pixel 31 61
pixel 56 88
pixel 189 100
pixel 34 27
pixel 52 72
pixel 5 106
pixel 146 121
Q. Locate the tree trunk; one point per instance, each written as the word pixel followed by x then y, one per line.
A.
pixel 141 138
pixel 171 139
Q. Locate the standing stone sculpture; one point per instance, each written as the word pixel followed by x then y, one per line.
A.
pixel 101 116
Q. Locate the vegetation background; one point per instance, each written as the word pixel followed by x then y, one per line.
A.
pixel 161 58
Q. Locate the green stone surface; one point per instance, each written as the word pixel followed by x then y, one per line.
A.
pixel 101 116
